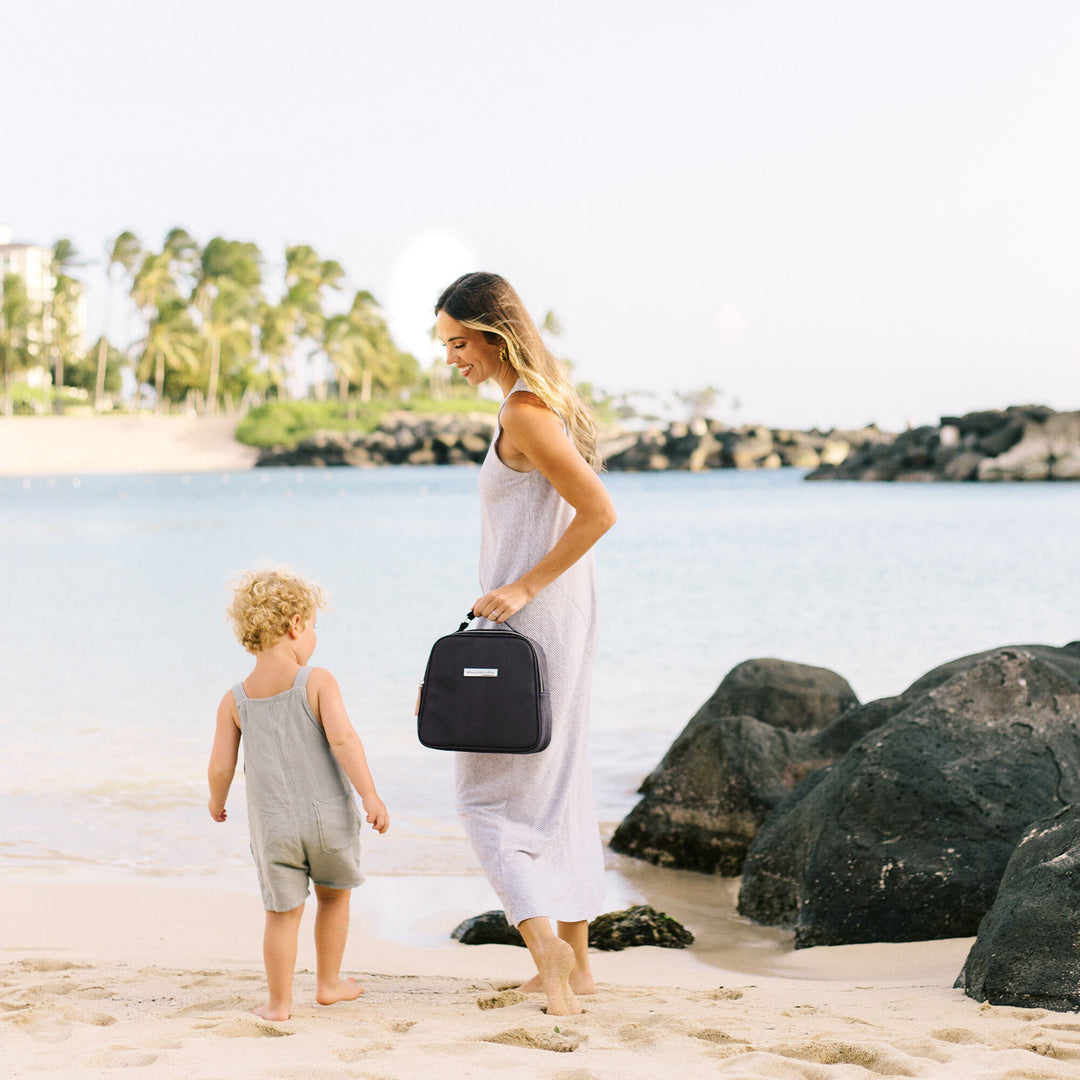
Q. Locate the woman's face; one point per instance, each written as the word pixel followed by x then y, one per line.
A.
pixel 469 351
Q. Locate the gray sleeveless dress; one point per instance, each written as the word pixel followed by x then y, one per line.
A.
pixel 302 812
pixel 531 817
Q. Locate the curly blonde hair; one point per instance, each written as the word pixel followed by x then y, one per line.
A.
pixel 264 602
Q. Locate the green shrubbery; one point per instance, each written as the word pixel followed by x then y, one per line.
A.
pixel 286 423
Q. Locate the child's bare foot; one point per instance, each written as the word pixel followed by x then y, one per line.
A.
pixel 342 990
pixel 582 985
pixel 270 1012
pixel 554 966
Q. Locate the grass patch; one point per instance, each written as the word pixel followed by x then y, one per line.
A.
pixel 286 423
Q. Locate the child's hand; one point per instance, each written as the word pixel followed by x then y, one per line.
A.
pixel 377 816
pixel 217 812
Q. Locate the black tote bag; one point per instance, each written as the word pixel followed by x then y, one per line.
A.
pixel 483 692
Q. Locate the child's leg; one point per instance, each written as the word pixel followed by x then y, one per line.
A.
pixel 279 956
pixel 331 930
pixel 576 935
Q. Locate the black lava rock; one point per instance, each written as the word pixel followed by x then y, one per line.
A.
pixel 1027 951
pixel 907 836
pixel 638 925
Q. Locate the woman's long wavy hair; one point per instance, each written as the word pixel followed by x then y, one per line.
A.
pixel 488 303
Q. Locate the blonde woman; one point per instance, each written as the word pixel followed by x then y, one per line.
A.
pixel 531 817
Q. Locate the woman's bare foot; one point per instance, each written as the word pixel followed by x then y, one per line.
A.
pixel 342 990
pixel 269 1012
pixel 582 985
pixel 554 965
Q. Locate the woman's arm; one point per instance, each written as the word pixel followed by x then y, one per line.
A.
pixel 532 434
pixel 223 756
pixel 324 696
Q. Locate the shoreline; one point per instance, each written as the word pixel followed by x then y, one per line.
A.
pixel 83 445
pixel 162 976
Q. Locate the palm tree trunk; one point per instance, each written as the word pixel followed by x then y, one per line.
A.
pixel 159 382
pixel 103 347
pixel 99 385
pixel 365 385
pixel 212 381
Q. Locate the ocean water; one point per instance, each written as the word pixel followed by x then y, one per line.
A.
pixel 114 650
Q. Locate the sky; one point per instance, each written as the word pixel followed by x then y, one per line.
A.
pixel 833 212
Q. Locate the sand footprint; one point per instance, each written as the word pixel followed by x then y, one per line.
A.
pixel 49 963
pixel 121 1057
pixel 874 1058
pixel 501 1000
pixel 636 1034
pixel 243 1027
pixel 561 1041
pixel 715 1035
pixel 721 993
pixel 956 1035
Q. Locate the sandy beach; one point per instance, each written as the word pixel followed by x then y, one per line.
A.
pixel 159 974
pixel 96 978
pixel 74 445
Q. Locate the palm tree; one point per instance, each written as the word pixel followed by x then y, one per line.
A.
pixel 16 316
pixel 226 296
pixel 172 341
pixel 306 279
pixel 357 344
pixel 59 321
pixel 124 251
pixel 156 292
pixel 273 333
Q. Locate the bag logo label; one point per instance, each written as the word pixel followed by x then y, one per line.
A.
pixel 480 672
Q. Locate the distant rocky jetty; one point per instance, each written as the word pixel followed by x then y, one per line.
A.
pixel 1030 442
pixel 709 444
pixel 1019 443
pixel 410 439
pixel 401 439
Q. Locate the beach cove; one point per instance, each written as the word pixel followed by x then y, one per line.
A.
pixel 110 860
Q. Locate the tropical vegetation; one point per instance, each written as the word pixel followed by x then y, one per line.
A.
pixel 212 333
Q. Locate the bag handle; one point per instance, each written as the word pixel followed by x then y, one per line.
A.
pixel 472 615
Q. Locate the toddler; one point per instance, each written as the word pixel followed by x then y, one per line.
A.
pixel 302 759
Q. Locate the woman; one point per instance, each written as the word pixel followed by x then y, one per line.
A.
pixel 531 817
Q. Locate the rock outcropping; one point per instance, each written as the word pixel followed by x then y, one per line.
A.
pixel 1026 952
pixel 1019 443
pixel 401 439
pixel 410 439
pixel 617 930
pixel 709 444
pixel 907 836
pixel 739 757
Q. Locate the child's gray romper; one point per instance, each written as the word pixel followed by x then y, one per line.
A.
pixel 302 810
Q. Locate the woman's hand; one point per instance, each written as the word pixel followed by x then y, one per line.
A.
pixel 499 604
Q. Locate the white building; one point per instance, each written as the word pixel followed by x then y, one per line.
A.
pixel 33 264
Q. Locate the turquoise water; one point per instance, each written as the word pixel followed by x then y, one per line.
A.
pixel 115 651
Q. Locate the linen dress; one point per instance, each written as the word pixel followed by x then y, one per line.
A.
pixel 531 818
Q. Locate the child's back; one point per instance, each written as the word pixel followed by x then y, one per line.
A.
pixel 302 760
pixel 301 807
